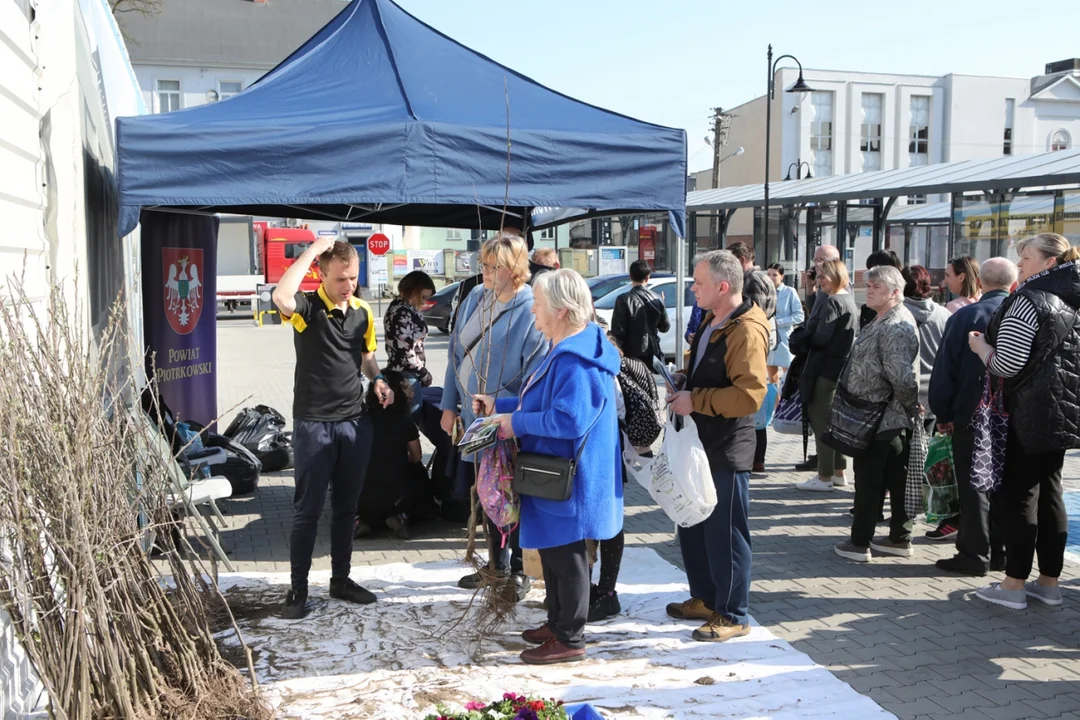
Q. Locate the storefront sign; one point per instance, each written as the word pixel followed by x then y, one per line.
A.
pixel 430 261
pixel 613 260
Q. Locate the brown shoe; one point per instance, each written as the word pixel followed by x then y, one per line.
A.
pixel 692 609
pixel 538 636
pixel 718 629
pixel 552 652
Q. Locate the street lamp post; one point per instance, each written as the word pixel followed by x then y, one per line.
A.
pixel 798 165
pixel 800 86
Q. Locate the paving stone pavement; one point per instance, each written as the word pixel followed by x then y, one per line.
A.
pixel 914 639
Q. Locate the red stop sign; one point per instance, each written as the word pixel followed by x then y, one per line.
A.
pixel 378 244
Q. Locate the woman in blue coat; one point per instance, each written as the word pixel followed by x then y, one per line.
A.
pixel 494 347
pixel 567 409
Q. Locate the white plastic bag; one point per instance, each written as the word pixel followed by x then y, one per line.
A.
pixel 678 478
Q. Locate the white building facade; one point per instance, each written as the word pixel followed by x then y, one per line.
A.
pixel 862 122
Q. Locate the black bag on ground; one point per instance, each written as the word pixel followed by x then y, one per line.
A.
pixel 262 431
pixel 241 468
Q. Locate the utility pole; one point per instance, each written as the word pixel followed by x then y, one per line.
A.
pixel 721 123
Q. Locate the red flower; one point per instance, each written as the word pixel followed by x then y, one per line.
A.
pixel 536 705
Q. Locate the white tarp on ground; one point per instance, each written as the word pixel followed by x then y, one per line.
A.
pixel 397 658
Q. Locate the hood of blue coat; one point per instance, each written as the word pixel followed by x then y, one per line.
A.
pixel 593 347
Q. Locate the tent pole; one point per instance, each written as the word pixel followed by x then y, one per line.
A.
pixel 680 281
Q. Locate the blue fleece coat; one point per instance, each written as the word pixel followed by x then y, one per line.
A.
pixel 516 349
pixel 573 391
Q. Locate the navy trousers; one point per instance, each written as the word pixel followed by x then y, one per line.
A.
pixel 717 553
pixel 334 455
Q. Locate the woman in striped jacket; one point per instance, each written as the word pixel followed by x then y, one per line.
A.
pixel 1033 345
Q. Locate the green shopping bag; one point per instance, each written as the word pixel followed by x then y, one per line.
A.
pixel 942 494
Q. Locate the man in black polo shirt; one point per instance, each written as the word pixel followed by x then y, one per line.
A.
pixel 335 342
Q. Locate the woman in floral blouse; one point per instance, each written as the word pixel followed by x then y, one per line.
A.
pixel 405 332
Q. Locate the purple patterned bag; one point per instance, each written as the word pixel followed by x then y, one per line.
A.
pixel 990 426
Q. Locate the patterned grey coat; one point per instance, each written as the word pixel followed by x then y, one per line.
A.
pixel 885 362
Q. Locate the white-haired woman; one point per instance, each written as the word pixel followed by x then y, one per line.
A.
pixel 1033 344
pixel 883 368
pixel 567 409
pixel 494 347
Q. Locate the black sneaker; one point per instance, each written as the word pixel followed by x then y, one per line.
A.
pixel 473 581
pixel 947 530
pixel 345 589
pixel 518 587
pixel 400 525
pixel 962 566
pixel 295 606
pixel 604 606
pixel 810 463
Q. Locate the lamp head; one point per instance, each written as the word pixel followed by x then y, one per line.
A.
pixel 800 86
pixel 739 151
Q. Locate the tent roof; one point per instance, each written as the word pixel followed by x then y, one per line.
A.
pixel 381 118
pixel 1005 173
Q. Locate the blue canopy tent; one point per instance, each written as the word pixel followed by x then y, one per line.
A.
pixel 381 118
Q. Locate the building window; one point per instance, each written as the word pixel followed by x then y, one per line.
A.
pixel 919 131
pixel 870 142
pixel 453 235
pixel 548 234
pixel 1060 141
pixel 821 133
pixel 227 89
pixel 916 200
pixel 168 96
pixel 1007 142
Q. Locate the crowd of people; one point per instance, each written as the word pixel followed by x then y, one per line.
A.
pixel 525 348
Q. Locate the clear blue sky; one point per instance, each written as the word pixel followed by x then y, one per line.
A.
pixel 670 62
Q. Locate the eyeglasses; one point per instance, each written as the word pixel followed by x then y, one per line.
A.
pixel 489 267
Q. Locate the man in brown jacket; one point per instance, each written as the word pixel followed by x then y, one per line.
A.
pixel 724 386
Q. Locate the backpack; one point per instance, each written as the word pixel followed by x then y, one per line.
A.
pixel 642 422
pixel 495 474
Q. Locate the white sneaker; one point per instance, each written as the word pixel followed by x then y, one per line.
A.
pixel 816 484
pixel 839 481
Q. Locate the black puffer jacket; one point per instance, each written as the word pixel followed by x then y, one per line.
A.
pixel 1043 400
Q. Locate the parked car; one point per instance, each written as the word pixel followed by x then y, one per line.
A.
pixel 664 286
pixel 436 311
pixel 601 285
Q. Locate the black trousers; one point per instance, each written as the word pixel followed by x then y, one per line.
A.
pixel 882 467
pixel 333 454
pixel 505 553
pixel 762 446
pixel 1033 511
pixel 979 535
pixel 566 578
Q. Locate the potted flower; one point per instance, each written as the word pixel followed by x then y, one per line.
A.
pixel 517 707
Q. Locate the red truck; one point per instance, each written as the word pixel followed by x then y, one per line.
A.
pixel 279 247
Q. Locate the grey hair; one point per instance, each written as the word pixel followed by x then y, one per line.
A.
pixel 566 290
pixel 723 267
pixel 998 273
pixel 888 276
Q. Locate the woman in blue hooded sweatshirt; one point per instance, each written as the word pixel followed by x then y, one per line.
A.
pixel 567 406
pixel 494 347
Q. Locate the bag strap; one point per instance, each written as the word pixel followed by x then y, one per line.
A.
pixel 577 456
pixel 485 331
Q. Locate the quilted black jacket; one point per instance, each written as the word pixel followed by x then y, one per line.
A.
pixel 1043 400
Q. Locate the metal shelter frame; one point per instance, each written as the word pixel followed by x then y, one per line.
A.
pixel 1009 173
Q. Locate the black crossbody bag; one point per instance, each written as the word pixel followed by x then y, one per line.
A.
pixel 549 477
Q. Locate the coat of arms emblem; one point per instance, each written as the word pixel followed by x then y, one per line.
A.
pixel 183 287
